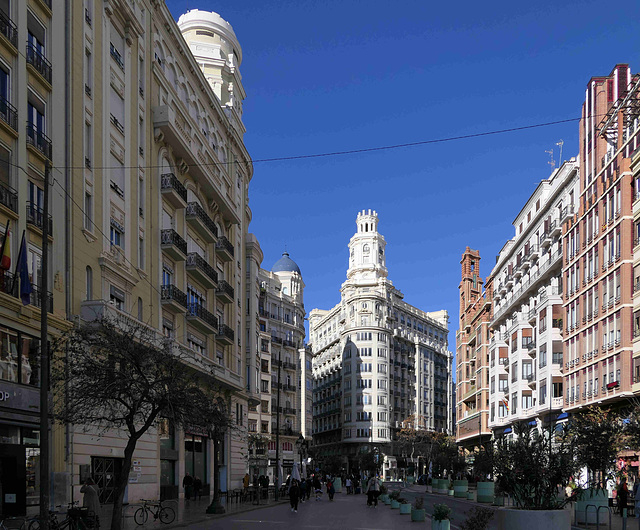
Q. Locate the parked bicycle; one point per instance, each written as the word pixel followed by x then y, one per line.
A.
pixel 166 514
pixel 76 518
pixel 12 523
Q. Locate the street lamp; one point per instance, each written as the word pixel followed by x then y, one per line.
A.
pixel 376 453
pixel 302 445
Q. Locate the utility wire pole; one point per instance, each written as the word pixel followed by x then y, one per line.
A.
pixel 44 360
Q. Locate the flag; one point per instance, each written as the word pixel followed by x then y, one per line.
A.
pixel 22 269
pixel 5 253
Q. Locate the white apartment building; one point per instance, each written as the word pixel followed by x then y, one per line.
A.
pixel 377 360
pixel 526 344
pixel 281 355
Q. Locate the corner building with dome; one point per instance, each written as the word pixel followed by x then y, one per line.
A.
pixel 377 362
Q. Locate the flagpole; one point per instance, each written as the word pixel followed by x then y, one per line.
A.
pixel 44 361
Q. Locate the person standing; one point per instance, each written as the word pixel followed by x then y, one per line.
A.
pixel 636 499
pixel 197 488
pixel 330 489
pixel 347 483
pixel 187 484
pixel 91 499
pixel 245 482
pixel 294 495
pixel 303 489
pixel 317 487
pixel 373 490
pixel 623 495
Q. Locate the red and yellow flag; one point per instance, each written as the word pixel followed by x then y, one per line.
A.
pixel 5 255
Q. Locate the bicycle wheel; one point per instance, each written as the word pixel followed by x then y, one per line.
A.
pixel 141 515
pixel 167 515
pixel 34 524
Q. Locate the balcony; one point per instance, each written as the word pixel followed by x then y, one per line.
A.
pixel 555 228
pixel 201 222
pixel 36 300
pixel 38 141
pixel 173 298
pixel 8 29
pixel 225 292
pixel 173 190
pixel 546 238
pixel 224 249
pixel 39 63
pixel 9 198
pixel 173 245
pixel 531 379
pixel 225 335
pixel 534 253
pixel 35 217
pixel 200 318
pixel 531 317
pixel 9 114
pixel 198 267
pixel 509 281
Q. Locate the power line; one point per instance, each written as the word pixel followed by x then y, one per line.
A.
pixel 348 151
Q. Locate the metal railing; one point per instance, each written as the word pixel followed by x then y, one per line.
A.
pixel 169 236
pixel 39 62
pixel 168 181
pixel 196 260
pixel 8 114
pixel 224 287
pixel 226 331
pixel 9 197
pixel 39 140
pixel 8 28
pixel 195 210
pixel 171 292
pixel 197 310
pixel 35 216
pixel 224 244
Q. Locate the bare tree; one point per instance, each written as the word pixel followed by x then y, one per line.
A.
pixel 109 376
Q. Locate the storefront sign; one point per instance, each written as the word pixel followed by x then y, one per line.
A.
pixel 4 396
pixel 19 397
pixel 10 498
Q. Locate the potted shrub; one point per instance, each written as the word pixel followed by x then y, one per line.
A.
pixel 483 468
pixel 405 506
pixel 531 468
pixel 418 512
pixel 394 496
pixel 478 518
pixel 598 436
pixel 440 518
pixel 383 493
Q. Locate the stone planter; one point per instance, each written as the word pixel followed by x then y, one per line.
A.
pixel 440 525
pixel 486 492
pixel 387 500
pixel 337 484
pixel 405 509
pixel 510 519
pixel 383 498
pixel 418 516
pixel 597 497
pixel 394 505
pixel 460 488
pixel 471 496
pixel 450 493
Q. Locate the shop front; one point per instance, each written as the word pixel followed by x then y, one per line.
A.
pixel 19 423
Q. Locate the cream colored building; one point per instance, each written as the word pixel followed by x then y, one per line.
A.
pixel 526 382
pixel 377 360
pixel 32 86
pixel 160 214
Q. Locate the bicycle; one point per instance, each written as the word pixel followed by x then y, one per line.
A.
pixel 12 523
pixel 77 518
pixel 166 514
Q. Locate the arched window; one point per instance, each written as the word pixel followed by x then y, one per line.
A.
pixel 89 283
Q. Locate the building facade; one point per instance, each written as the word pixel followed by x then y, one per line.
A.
pixel 32 83
pixel 159 216
pixel 525 352
pixel 377 360
pixel 472 354
pixel 280 341
pixel 598 242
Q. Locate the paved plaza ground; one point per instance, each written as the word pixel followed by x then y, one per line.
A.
pixel 344 512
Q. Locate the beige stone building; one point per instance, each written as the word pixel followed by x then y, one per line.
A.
pixel 158 226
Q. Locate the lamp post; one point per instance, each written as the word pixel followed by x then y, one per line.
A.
pixel 301 445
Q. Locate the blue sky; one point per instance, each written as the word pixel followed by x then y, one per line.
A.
pixel 339 75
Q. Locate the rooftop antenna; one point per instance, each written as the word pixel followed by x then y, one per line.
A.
pixel 560 144
pixel 551 162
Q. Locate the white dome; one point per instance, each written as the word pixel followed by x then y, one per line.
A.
pixel 208 20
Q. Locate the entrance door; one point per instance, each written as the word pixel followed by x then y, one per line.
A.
pixel 105 472
pixel 13 481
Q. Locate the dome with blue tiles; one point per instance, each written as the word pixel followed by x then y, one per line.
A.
pixel 286 264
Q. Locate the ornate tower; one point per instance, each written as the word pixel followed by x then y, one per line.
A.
pixel 471 283
pixel 367 259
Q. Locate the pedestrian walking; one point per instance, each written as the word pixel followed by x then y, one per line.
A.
pixel 373 490
pixel 317 487
pixel 623 495
pixel 294 495
pixel 636 499
pixel 330 489
pixel 187 484
pixel 91 499
pixel 197 488
pixel 245 482
pixel 303 489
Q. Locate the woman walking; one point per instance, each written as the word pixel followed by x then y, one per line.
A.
pixel 294 495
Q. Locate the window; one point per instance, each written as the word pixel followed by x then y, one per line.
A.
pixel 117 297
pixel 88 211
pixel 89 283
pixel 141 252
pixel 167 328
pixel 116 234
pixel 264 385
pixel 140 309
pixel 167 275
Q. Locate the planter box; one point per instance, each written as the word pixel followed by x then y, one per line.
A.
pixel 387 500
pixel 460 488
pixel 337 484
pixel 499 500
pixel 450 493
pixel 440 525
pixel 395 505
pixel 510 519
pixel 591 497
pixel 383 498
pixel 418 516
pixel 471 496
pixel 486 492
pixel 405 509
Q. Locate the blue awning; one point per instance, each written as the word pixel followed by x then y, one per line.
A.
pixel 507 430
pixel 563 416
pixel 532 423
